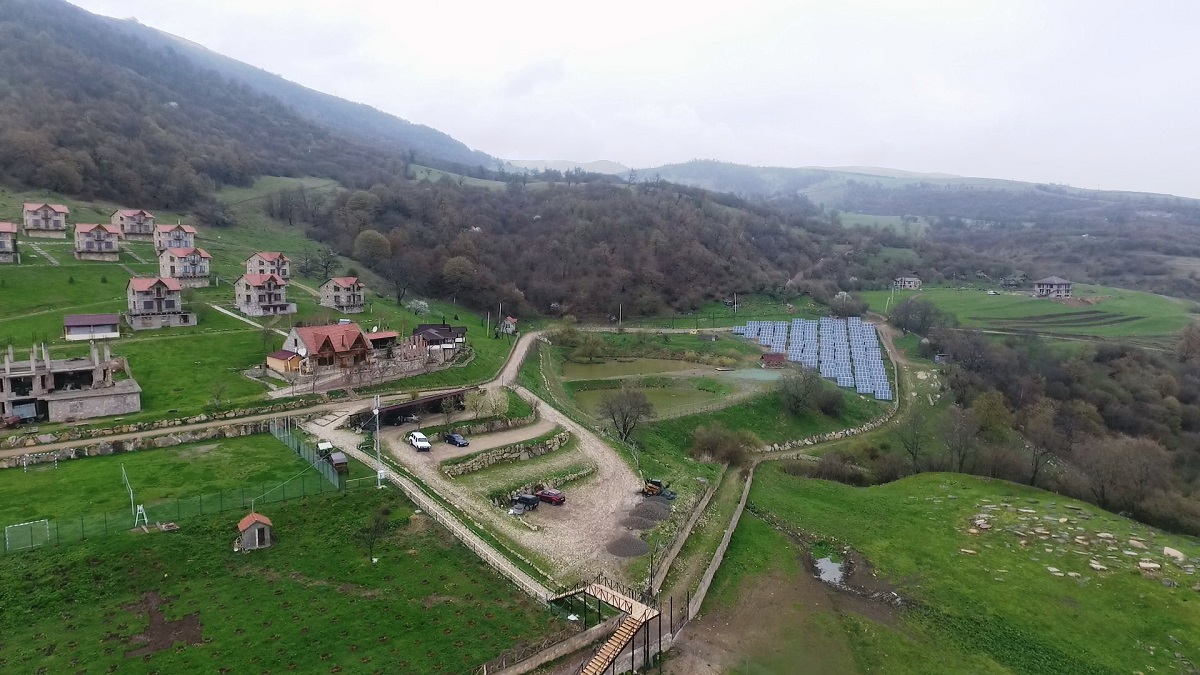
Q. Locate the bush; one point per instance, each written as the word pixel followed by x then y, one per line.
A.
pixel 715 443
pixel 836 466
pixel 831 402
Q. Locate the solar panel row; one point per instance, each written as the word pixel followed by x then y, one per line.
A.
pixel 844 350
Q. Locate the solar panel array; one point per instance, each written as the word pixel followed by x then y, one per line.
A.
pixel 844 350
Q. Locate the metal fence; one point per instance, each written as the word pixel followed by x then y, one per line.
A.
pixel 292 436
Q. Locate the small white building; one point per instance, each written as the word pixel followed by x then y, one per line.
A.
pixel 1052 287
pixel 906 283
pixel 254 531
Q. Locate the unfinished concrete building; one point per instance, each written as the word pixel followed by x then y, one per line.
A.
pixel 40 389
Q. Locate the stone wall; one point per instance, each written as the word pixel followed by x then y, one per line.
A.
pixel 30 441
pixel 833 435
pixel 166 440
pixel 493 425
pixel 115 400
pixel 508 453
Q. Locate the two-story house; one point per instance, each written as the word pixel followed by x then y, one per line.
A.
pixel 97 241
pixel 262 295
pixel 1052 287
pixel 134 224
pixel 8 243
pixel 345 294
pixel 907 283
pixel 46 220
pixel 337 346
pixel 174 236
pixel 269 263
pixel 156 303
pixel 189 265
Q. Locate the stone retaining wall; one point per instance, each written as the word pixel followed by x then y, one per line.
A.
pixel 492 426
pixel 102 448
pixel 833 435
pixel 27 441
pixel 508 453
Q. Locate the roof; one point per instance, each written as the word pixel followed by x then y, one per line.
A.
pixel 80 320
pixel 382 335
pixel 1052 280
pixel 442 329
pixel 270 256
pixel 438 334
pixel 88 227
pixel 907 279
pixel 146 283
pixel 11 228
pixel 509 319
pixel 184 252
pixel 339 337
pixel 133 212
pixel 774 357
pixel 171 228
pixel 337 457
pixel 283 355
pixel 262 279
pixel 57 208
pixel 245 523
pixel 343 281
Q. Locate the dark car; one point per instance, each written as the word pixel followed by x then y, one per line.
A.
pixel 527 501
pixel 552 496
pixel 456 439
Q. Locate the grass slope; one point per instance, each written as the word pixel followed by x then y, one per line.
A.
pixel 1003 602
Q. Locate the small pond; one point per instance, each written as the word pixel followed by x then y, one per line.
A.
pixel 829 571
pixel 624 368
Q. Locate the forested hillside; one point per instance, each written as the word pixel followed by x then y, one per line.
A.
pixel 89 111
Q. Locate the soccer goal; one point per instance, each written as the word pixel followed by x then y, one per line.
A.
pixel 26 535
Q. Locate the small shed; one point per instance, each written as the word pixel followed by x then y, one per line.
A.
pixel 339 462
pixel 773 360
pixel 284 361
pixel 91 326
pixel 255 532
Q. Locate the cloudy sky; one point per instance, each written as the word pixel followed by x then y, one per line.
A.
pixel 1093 93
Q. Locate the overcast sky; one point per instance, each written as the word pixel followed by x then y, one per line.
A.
pixel 1090 93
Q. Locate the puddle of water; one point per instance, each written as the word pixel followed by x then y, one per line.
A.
pixel 756 374
pixel 829 571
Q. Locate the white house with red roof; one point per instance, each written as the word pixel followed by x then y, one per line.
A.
pixel 8 243
pixel 190 266
pixel 134 224
pixel 154 302
pixel 341 346
pixel 262 295
pixel 45 220
pixel 174 236
pixel 97 241
pixel 270 262
pixel 345 294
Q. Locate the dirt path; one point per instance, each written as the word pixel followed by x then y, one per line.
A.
pixel 243 319
pixel 443 451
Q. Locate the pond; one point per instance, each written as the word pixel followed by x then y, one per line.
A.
pixel 662 399
pixel 624 368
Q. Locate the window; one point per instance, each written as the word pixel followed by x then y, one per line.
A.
pixel 247 300
pixel 148 304
pixel 172 269
pixel 183 318
pixel 169 304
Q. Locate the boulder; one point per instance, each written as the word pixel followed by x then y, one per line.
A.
pixel 1134 543
pixel 1104 535
pixel 1174 553
pixel 967 551
pixel 1149 566
pixel 1097 566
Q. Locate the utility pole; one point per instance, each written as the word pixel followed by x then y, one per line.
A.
pixel 378 459
pixel 620 314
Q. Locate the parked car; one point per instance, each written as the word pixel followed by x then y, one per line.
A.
pixel 419 441
pixel 527 501
pixel 552 496
pixel 406 419
pixel 456 439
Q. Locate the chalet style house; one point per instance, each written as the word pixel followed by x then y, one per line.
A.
pixel 345 294
pixel 35 387
pixel 906 283
pixel 46 220
pixel 97 241
pixel 190 266
pixel 174 236
pixel 134 224
pixel 269 263
pixel 156 303
pixel 1052 287
pixel 8 243
pixel 262 295
pixel 340 346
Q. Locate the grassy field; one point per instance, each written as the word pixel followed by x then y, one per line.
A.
pixel 1098 311
pixel 311 603
pixel 684 346
pixel 719 315
pixel 1003 602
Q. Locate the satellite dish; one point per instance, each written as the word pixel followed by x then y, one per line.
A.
pixel 302 352
pixel 374 329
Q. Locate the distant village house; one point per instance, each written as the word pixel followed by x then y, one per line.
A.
pixel 1052 287
pixel 345 294
pixel 156 303
pixel 906 283
pixel 269 263
pixel 340 346
pixel 508 326
pixel 442 340
pixel 8 243
pixel 45 220
pixel 134 224
pixel 189 266
pixel 262 295
pixel 97 241
pixel 174 236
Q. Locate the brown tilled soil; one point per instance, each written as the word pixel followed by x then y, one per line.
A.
pixel 161 634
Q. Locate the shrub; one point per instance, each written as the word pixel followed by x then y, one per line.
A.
pixel 831 402
pixel 714 442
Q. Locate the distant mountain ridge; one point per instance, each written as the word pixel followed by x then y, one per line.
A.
pixel 356 120
pixel 599 166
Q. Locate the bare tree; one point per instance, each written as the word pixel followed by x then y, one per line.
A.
pixel 326 262
pixel 380 524
pixel 1122 471
pixel 961 435
pixel 626 408
pixel 217 393
pixel 799 390
pixel 398 276
pixel 477 402
pixel 912 433
pixel 450 408
pixel 1188 346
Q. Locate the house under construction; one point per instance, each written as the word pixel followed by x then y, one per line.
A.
pixel 38 388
